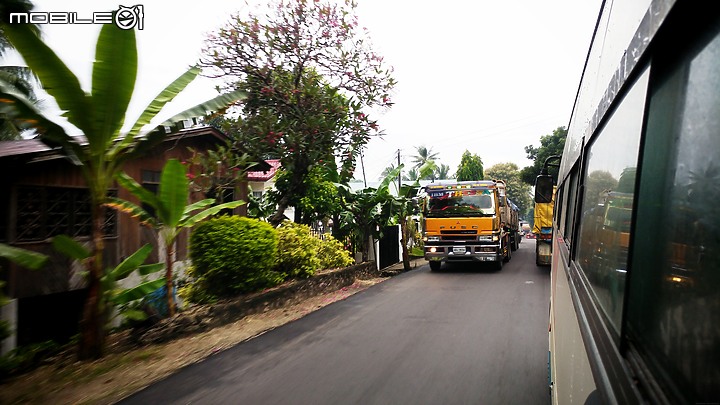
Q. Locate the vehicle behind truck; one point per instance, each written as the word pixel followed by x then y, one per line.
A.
pixel 463 222
pixel 509 215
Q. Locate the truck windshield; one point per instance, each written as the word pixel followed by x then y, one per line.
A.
pixel 461 203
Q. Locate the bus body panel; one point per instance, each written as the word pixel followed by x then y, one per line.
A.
pixel 634 283
pixel 571 377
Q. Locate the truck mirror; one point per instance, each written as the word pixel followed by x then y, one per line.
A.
pixel 543 189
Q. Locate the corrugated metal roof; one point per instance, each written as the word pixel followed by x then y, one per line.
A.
pixel 35 146
pixel 22 147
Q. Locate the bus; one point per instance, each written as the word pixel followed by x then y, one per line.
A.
pixel 635 273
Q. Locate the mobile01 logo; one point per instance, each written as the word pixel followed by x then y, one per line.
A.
pixel 125 18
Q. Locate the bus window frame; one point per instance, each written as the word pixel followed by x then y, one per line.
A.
pixel 610 370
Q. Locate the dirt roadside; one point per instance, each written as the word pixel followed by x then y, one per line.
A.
pixel 124 371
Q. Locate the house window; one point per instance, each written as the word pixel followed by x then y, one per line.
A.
pixel 44 212
pixel 258 195
pixel 150 182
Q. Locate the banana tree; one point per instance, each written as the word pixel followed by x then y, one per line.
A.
pixel 114 296
pixel 171 212
pixel 99 114
pixel 403 205
pixel 364 212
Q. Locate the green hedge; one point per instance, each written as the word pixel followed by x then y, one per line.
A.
pixel 233 255
pixel 297 256
pixel 333 255
pixel 301 253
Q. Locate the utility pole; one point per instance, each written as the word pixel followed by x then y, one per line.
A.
pixel 399 173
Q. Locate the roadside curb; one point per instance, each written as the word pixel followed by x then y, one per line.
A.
pixel 397 268
pixel 200 318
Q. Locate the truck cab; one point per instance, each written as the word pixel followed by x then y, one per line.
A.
pixel 463 223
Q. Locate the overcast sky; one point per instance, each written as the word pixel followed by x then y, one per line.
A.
pixel 487 76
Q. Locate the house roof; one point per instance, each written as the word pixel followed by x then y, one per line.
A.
pixel 34 149
pixel 265 175
pixel 22 147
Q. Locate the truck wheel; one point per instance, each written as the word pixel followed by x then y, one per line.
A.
pixel 435 266
pixel 513 242
pixel 499 264
pixel 509 254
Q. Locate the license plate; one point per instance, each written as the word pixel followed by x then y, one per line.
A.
pixel 459 249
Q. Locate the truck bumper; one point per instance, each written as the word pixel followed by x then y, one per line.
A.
pixel 470 253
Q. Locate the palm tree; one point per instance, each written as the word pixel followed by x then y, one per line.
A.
pixel 14 6
pixel 21 78
pixel 412 175
pixel 387 170
pixel 443 172
pixel 424 155
pixel 100 115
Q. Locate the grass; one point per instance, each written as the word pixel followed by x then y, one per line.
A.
pixel 417 252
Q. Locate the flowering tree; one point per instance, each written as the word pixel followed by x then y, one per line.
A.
pixel 310 73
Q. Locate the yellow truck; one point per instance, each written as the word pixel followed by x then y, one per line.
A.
pixel 542 228
pixel 544 210
pixel 464 222
pixel 509 215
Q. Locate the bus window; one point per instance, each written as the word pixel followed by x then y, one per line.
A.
pixel 603 240
pixel 674 312
pixel 560 210
pixel 572 184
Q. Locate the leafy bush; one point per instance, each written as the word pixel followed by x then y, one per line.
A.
pixel 26 358
pixel 298 255
pixel 193 288
pixel 302 253
pixel 332 254
pixel 233 255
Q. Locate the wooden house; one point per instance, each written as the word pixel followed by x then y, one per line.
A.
pixel 44 195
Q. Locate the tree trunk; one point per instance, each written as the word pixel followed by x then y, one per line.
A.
pixel 169 252
pixel 403 241
pixel 92 325
pixel 295 188
pixel 277 218
pixel 365 245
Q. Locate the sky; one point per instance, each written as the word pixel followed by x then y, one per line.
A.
pixel 490 77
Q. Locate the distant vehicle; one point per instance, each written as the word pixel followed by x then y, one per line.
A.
pixel 463 223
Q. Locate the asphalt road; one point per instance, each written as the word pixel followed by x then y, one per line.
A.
pixel 466 335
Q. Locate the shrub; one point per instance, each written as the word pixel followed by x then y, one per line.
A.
pixel 298 254
pixel 332 254
pixel 26 358
pixel 233 255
